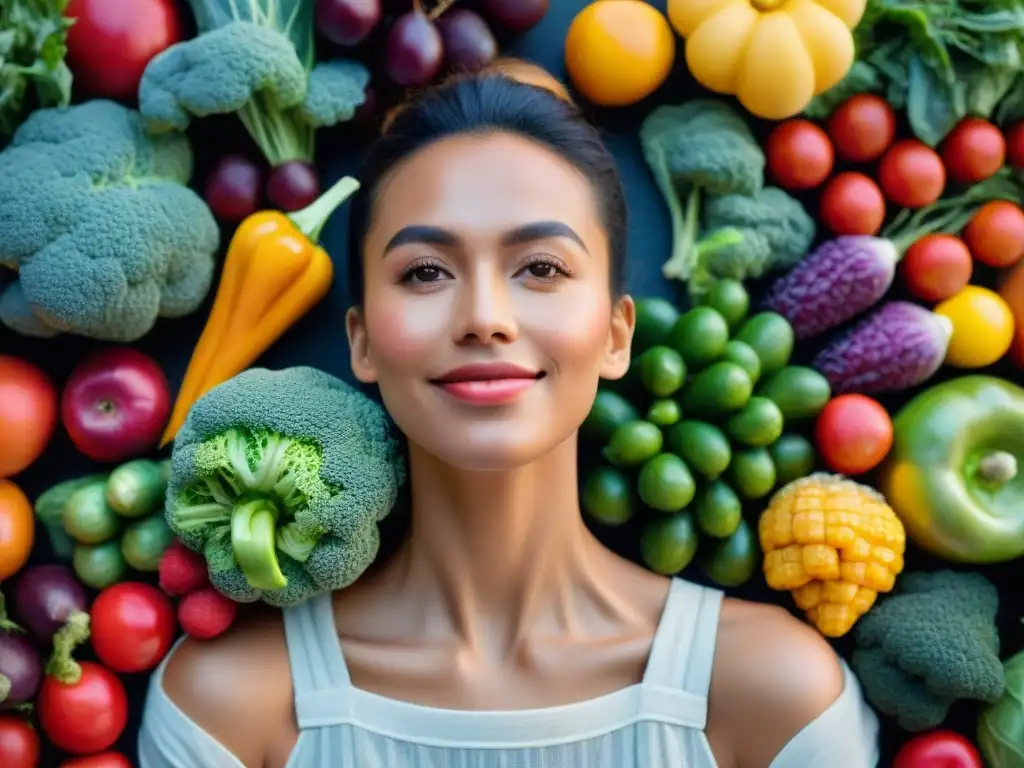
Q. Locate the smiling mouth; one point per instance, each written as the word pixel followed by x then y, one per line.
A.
pixel 484 389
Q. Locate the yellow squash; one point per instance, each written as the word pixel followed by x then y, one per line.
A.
pixel 773 55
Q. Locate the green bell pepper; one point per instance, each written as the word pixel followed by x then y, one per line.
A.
pixel 952 474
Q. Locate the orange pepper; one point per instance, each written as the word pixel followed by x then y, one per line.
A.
pixel 274 273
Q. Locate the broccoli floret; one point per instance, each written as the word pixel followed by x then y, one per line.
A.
pixel 256 71
pixel 779 218
pixel 931 643
pixel 96 220
pixel 701 146
pixel 279 478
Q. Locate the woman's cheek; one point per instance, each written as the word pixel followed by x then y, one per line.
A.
pixel 403 330
pixel 576 328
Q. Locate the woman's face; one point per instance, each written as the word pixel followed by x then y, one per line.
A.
pixel 487 254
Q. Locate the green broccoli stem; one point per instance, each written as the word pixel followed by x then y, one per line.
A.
pixel 685 227
pixel 310 220
pixel 61 664
pixel 254 543
pixel 281 136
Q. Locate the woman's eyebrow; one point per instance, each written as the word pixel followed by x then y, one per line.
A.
pixel 422 233
pixel 444 238
pixel 542 230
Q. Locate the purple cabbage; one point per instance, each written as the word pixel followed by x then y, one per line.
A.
pixel 898 346
pixel 836 282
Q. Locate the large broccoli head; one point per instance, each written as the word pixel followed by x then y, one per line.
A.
pixel 771 213
pixel 279 478
pixel 96 220
pixel 933 642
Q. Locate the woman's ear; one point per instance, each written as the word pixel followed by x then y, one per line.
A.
pixel 359 347
pixel 620 339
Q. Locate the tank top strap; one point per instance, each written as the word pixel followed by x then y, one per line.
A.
pixel 314 650
pixel 683 650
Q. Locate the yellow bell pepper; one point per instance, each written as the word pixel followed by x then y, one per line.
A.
pixel 834 545
pixel 773 55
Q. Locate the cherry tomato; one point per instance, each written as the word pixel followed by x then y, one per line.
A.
pixel 28 409
pixel 936 267
pixel 84 717
pixel 938 749
pixel 799 155
pixel 995 234
pixel 1015 145
pixel 17 529
pixel 853 434
pixel 132 626
pixel 852 204
pixel 19 743
pixel 911 174
pixel 862 128
pixel 973 151
pixel 102 760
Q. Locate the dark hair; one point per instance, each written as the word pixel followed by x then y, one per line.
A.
pixel 492 102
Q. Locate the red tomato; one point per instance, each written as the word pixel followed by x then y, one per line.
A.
pixel 19 743
pixel 132 626
pixel 995 234
pixel 799 155
pixel 28 408
pixel 102 760
pixel 936 267
pixel 938 749
pixel 912 174
pixel 84 717
pixel 1015 145
pixel 974 150
pixel 853 434
pixel 17 529
pixel 862 128
pixel 112 41
pixel 852 204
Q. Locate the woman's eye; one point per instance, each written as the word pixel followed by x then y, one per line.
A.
pixel 543 271
pixel 426 274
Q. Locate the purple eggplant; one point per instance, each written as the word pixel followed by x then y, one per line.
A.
pixel 836 282
pixel 21 668
pixel 896 347
pixel 48 598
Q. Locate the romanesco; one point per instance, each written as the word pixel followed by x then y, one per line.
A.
pixel 933 642
pixel 99 225
pixel 279 478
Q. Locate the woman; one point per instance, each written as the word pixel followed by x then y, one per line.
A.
pixel 489 255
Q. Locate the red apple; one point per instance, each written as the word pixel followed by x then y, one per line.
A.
pixel 116 404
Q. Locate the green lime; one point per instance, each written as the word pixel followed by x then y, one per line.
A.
pixel 730 299
pixel 144 543
pixel 87 517
pixel 662 371
pixel 794 457
pixel 800 392
pixel 664 412
pixel 609 411
pixel 607 496
pixel 757 423
pixel 700 336
pixel 665 483
pixel 98 565
pixel 745 357
pixel 771 336
pixel 704 447
pixel 633 443
pixel 752 473
pixel 732 561
pixel 654 319
pixel 719 510
pixel 668 543
pixel 718 389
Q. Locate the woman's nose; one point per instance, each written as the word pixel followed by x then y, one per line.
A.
pixel 486 313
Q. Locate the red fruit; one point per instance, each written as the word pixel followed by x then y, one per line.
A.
pixel 414 51
pixel 19 743
pixel 84 717
pixel 28 409
pixel 132 626
pixel 974 150
pixel 852 204
pixel 862 128
pixel 1015 145
pixel 102 760
pixel 293 185
pixel 912 174
pixel 181 570
pixel 233 188
pixel 938 749
pixel 936 267
pixel 205 613
pixel 799 155
pixel 853 434
pixel 115 404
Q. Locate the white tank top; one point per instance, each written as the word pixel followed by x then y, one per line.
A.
pixel 658 723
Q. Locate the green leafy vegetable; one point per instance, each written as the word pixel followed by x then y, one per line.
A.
pixel 33 36
pixel 1001 726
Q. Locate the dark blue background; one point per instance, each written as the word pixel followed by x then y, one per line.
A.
pixel 319 339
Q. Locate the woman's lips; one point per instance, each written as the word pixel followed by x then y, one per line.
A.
pixel 487 391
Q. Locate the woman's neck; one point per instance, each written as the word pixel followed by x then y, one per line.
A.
pixel 503 552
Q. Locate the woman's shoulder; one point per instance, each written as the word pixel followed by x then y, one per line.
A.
pixel 773 675
pixel 236 687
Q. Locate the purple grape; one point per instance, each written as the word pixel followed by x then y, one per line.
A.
pixel 515 15
pixel 347 22
pixel 293 185
pixel 415 50
pixel 233 188
pixel 469 45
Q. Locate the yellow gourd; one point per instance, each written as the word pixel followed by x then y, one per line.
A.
pixel 773 55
